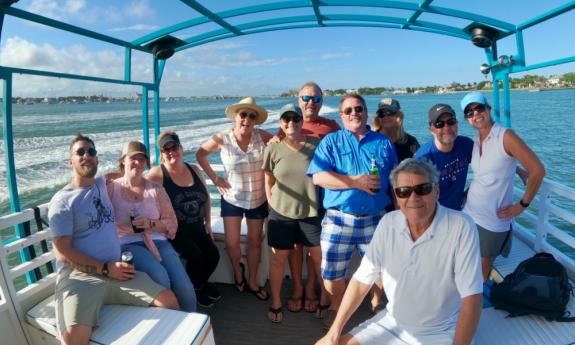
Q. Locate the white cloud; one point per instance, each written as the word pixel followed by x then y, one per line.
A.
pixel 337 55
pixel 56 9
pixel 139 9
pixel 136 27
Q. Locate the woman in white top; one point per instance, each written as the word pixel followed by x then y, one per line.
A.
pixel 242 186
pixel 496 151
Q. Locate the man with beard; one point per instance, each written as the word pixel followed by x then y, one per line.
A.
pixel 354 199
pixel 87 249
pixel 450 153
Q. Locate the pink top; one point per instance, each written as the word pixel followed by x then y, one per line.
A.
pixel 156 205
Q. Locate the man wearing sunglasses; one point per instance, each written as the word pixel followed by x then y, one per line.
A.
pixel 428 259
pixel 310 100
pixel 90 272
pixel 354 199
pixel 450 153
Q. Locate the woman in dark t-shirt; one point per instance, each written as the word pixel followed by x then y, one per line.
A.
pixel 389 122
pixel 190 199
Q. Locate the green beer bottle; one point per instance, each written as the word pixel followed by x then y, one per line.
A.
pixel 374 170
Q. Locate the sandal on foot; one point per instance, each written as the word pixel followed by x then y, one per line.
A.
pixel 295 304
pixel 321 309
pixel 278 314
pixel 260 293
pixel 310 305
pixel 241 285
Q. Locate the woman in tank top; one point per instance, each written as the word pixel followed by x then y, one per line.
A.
pixel 242 186
pixel 190 199
pixel 496 151
pixel 145 221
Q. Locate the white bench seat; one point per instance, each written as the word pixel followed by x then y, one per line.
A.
pixel 496 328
pixel 128 325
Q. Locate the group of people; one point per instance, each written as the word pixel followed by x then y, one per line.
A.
pixel 325 192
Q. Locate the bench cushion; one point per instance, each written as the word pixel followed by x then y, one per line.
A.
pixel 133 325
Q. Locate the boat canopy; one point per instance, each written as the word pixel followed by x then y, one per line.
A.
pixel 203 25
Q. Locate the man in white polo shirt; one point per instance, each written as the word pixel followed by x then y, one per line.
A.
pixel 428 259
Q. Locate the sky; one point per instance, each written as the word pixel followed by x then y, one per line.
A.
pixel 265 63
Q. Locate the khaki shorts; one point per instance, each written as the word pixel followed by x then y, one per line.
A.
pixel 492 244
pixel 79 296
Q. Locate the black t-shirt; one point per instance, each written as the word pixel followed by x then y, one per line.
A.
pixel 408 149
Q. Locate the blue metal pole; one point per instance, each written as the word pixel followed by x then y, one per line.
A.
pixel 145 118
pixel 495 106
pixel 506 102
pixel 10 164
pixel 128 65
pixel 157 121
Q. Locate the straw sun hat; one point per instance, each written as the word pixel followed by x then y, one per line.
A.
pixel 247 103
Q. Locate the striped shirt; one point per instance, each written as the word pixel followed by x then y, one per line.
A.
pixel 243 170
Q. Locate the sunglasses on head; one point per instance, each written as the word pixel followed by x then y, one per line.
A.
pixel 90 151
pixel 358 110
pixel 385 112
pixel 314 99
pixel 440 124
pixel 470 112
pixel 291 117
pixel 171 148
pixel 250 116
pixel 420 189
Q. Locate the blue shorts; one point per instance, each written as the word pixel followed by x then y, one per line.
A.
pixel 341 234
pixel 229 210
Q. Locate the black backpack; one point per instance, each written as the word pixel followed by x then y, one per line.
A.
pixel 538 286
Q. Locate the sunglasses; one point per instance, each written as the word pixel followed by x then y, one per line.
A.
pixel 358 110
pixel 384 113
pixel 171 148
pixel 314 99
pixel 251 116
pixel 440 124
pixel 471 111
pixel 292 118
pixel 90 151
pixel 420 189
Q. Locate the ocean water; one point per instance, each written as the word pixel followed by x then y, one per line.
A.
pixel 544 120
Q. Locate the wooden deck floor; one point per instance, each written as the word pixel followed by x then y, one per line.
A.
pixel 240 318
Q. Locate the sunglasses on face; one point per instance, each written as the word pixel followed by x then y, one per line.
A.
pixel 358 110
pixel 314 99
pixel 250 116
pixel 90 151
pixel 420 189
pixel 292 118
pixel 170 148
pixel 470 112
pixel 440 124
pixel 384 113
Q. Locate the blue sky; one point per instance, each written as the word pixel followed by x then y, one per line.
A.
pixel 269 63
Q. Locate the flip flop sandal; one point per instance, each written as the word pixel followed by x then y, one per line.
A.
pixel 321 308
pixel 258 293
pixel 310 305
pixel 277 312
pixel 241 286
pixel 298 302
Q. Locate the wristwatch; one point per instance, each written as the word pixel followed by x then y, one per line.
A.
pixel 105 269
pixel 523 203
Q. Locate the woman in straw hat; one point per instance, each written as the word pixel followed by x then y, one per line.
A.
pixel 242 186
pixel 389 122
pixel 146 220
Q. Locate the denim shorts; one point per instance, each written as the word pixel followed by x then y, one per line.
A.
pixel 229 210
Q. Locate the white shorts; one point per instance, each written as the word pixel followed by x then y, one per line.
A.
pixel 382 330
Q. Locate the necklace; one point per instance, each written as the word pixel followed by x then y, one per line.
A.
pixel 132 193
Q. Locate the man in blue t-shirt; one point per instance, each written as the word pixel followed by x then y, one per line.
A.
pixel 450 153
pixel 355 200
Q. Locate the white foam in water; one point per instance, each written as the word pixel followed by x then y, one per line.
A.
pixel 42 162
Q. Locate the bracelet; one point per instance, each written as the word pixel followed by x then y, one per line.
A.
pixel 523 203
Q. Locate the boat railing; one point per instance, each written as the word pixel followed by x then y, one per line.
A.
pixel 545 224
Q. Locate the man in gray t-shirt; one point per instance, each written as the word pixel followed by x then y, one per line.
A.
pixel 87 248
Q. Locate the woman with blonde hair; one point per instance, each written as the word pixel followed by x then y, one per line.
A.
pixel 389 122
pixel 242 186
